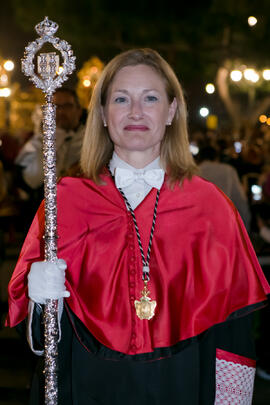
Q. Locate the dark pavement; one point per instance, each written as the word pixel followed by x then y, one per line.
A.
pixel 17 362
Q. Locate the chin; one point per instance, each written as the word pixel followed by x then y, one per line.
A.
pixel 137 147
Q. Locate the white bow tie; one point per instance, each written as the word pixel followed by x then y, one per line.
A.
pixel 126 177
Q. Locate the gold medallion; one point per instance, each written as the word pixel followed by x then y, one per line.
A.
pixel 145 308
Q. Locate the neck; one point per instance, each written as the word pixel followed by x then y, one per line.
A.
pixel 136 159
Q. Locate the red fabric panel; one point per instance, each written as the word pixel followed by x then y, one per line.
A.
pixel 235 358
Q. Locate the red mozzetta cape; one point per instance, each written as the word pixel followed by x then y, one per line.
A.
pixel 202 265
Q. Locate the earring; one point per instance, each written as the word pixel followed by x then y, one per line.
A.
pixel 169 123
pixel 105 124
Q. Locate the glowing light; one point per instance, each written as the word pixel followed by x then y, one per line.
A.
pixel 212 121
pixel 210 88
pixel 93 70
pixel 60 70
pixel 4 78
pixel 262 118
pixel 238 147
pixel 194 149
pixel 255 77
pixel 252 21
pixel 268 121
pixel 266 74
pixel 5 92
pixel 86 83
pixel 251 75
pixel 204 111
pixel 9 65
pixel 236 75
pixel 248 73
pixel 256 192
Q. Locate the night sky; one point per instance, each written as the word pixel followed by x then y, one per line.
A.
pixel 195 37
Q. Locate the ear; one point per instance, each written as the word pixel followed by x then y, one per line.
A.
pixel 103 116
pixel 172 110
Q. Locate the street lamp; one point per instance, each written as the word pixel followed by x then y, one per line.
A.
pixel 88 76
pixel 253 79
pixel 9 65
pixel 263 118
pixel 252 21
pixel 210 88
pixel 5 92
pixel 266 74
pixel 3 79
pixel 236 75
pixel 86 82
pixel 204 111
pixel 251 75
pixel 6 67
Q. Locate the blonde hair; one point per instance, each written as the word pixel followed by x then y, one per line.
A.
pixel 97 146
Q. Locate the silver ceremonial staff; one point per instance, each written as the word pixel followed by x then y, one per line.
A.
pixel 48 78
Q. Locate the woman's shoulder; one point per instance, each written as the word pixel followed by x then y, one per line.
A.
pixel 71 181
pixel 200 185
pixel 205 194
pixel 82 190
pixel 70 188
pixel 77 183
pixel 75 178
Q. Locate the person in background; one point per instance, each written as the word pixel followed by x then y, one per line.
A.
pixel 157 278
pixel 226 178
pixel 29 161
pixel 9 203
pixel 69 136
pixel 261 241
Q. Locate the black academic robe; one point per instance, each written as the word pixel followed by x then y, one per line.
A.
pixel 91 374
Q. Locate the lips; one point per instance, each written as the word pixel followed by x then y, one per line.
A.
pixel 136 128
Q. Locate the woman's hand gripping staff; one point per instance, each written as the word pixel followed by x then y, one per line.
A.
pixel 46 280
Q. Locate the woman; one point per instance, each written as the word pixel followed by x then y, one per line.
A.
pixel 160 271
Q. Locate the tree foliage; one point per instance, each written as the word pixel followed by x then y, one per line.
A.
pixel 196 38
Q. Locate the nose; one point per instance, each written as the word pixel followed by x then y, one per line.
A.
pixel 136 111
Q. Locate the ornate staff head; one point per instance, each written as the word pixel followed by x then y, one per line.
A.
pixel 48 63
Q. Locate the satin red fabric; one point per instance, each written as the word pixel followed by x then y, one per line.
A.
pixel 202 265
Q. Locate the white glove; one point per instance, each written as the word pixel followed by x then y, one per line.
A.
pixel 46 280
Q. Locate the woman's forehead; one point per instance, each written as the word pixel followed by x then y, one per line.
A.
pixel 138 75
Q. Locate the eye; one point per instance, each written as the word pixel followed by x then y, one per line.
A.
pixel 151 99
pixel 120 99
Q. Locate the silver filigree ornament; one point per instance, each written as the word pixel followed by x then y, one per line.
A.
pixel 48 82
pixel 46 29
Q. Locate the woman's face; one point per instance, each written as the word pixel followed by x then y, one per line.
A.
pixel 137 110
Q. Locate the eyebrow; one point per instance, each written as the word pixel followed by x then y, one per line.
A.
pixel 126 91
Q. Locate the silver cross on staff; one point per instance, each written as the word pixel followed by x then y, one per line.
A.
pixel 48 81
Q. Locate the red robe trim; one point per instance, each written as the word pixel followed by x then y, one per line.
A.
pixel 202 265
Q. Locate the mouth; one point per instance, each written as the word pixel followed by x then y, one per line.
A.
pixel 136 128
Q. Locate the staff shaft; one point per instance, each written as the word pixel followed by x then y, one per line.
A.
pixel 51 331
